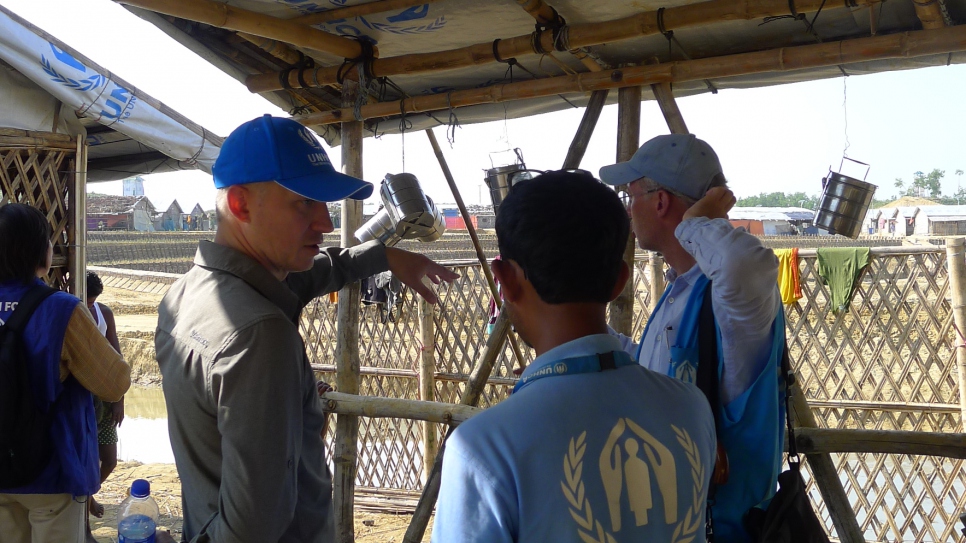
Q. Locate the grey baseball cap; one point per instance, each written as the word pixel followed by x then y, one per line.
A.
pixel 680 162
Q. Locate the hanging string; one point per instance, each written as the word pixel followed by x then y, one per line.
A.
pixel 454 121
pixel 404 124
pixel 845 114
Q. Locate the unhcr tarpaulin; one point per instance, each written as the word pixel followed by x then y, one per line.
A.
pixel 93 92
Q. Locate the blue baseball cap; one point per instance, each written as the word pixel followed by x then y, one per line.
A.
pixel 282 150
pixel 680 162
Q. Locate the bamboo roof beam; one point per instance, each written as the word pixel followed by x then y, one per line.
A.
pixel 902 45
pixel 930 14
pixel 241 20
pixel 669 106
pixel 275 48
pixel 578 35
pixel 545 14
pixel 361 10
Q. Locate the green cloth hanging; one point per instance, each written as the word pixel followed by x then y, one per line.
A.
pixel 840 268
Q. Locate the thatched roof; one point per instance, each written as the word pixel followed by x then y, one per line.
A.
pixel 443 51
pixel 109 204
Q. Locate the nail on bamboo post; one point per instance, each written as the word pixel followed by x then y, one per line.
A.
pixel 427 382
pixel 471 396
pixel 956 263
pixel 827 479
pixel 621 316
pixel 484 265
pixel 347 342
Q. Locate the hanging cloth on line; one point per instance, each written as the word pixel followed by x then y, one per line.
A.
pixel 788 280
pixel 840 269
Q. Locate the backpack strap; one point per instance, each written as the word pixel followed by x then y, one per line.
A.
pixel 707 381
pixel 26 306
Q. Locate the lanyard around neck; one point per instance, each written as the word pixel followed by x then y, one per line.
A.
pixel 579 364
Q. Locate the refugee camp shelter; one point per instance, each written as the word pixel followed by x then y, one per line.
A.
pixel 66 121
pixel 111 212
pixel 171 219
pixel 940 220
pixel 388 66
pixel 772 221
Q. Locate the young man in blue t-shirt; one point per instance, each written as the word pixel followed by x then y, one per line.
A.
pixel 591 446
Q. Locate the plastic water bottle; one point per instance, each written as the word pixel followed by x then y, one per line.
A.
pixel 137 516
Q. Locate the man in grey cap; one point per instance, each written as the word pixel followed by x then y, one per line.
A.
pixel 679 208
pixel 243 409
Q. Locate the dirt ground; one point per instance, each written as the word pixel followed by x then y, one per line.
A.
pixel 166 489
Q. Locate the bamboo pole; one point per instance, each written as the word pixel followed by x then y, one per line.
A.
pixel 579 35
pixel 484 265
pixel 585 130
pixel 223 15
pixel 427 382
pixel 621 316
pixel 347 342
pixel 669 106
pixel 930 14
pixel 902 45
pixel 956 263
pixel 827 440
pixel 655 266
pixel 471 395
pixel 275 48
pixel 429 412
pixel 545 14
pixel 361 10
pixel 827 479
pixel 78 235
pixel 808 440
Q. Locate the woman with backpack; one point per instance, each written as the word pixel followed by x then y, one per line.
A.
pixel 52 358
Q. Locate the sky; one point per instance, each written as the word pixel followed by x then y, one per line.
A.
pixel 774 139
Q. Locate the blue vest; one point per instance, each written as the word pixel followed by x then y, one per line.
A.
pixel 753 428
pixel 73 468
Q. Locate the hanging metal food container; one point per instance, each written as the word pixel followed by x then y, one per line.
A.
pixel 844 202
pixel 500 179
pixel 409 213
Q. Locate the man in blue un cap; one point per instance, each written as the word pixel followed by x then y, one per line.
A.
pixel 243 409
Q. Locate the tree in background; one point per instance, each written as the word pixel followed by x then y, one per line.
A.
pixel 780 199
pixel 923 185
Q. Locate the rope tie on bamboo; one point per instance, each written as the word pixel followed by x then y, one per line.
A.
pixel 669 35
pixel 304 63
pixel 83 112
pixel 204 139
pixel 453 122
pixel 365 58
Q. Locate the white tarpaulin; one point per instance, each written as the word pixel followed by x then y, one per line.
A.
pixel 93 92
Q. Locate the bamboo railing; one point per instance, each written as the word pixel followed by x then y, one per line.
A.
pixel 881 380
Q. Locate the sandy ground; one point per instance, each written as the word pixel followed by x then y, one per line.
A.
pixel 166 489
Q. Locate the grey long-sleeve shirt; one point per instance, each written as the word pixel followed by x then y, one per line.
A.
pixel 243 410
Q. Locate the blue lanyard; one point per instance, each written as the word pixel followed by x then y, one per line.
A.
pixel 579 364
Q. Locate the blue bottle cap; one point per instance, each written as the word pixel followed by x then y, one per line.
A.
pixel 141 488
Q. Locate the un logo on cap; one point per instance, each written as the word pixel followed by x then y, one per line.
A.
pixel 560 368
pixel 307 136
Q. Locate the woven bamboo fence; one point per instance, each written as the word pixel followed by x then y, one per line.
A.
pixel 886 364
pixel 38 169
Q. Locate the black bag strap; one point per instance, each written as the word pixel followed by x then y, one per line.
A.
pixel 707 378
pixel 707 381
pixel 26 306
pixel 788 379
